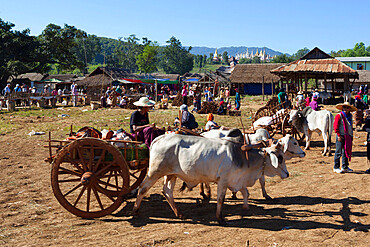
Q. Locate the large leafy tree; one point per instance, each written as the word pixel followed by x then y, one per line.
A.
pixel 176 59
pixel 86 49
pixel 126 52
pixel 17 51
pixel 57 46
pixel 147 60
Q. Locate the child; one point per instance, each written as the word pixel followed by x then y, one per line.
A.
pixel 210 123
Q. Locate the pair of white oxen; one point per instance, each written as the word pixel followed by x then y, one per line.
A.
pixel 219 158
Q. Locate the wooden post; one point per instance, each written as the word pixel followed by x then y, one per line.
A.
pixel 332 87
pixel 287 86
pixel 316 82
pixel 325 82
pixel 306 85
pixel 263 88
pixel 272 87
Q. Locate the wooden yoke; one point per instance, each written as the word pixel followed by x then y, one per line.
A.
pixel 261 144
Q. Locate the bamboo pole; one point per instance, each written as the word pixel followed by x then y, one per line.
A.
pixel 263 88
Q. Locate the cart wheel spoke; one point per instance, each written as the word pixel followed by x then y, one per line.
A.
pixel 88 199
pixel 79 196
pixel 78 167
pixel 69 180
pixel 97 197
pixel 133 175
pixel 109 177
pixel 106 194
pixel 116 177
pixel 67 171
pixel 103 170
pixel 109 185
pixel 82 160
pixel 99 161
pixel 73 189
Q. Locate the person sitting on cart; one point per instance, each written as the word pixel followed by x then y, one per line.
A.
pixel 140 127
pixel 187 119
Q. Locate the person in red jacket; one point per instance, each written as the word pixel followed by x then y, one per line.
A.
pixel 344 137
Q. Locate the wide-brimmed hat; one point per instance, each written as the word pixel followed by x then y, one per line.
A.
pixel 340 106
pixel 144 101
pixel 300 92
pixel 183 107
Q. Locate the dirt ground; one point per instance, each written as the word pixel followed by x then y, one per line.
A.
pixel 313 207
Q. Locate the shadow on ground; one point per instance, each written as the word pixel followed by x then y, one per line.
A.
pixel 273 219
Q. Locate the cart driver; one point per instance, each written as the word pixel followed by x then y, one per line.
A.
pixel 139 122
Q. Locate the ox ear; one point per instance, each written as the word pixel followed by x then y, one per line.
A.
pixel 285 143
pixel 274 159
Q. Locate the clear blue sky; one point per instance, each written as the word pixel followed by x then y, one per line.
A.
pixel 285 26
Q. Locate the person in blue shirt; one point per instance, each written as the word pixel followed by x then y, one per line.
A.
pixel 237 99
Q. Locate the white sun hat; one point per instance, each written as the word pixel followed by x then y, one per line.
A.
pixel 144 101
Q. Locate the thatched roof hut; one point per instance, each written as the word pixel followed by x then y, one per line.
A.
pixel 27 78
pixel 254 73
pixel 62 77
pixel 103 77
pixel 250 77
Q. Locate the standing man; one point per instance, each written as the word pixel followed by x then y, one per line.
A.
pixel 237 99
pixel 282 97
pixel 74 93
pixel 344 137
pixel 7 90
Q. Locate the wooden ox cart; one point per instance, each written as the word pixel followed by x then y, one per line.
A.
pixel 279 122
pixel 91 177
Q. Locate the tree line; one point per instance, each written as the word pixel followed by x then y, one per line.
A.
pixel 359 50
pixel 66 49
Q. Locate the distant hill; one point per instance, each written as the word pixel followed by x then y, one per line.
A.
pixel 231 51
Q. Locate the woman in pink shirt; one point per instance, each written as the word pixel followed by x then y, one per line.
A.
pixel 184 94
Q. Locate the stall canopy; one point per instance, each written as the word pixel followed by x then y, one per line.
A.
pixel 192 80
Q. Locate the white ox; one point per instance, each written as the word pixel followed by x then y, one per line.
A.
pixel 290 146
pixel 309 121
pixel 197 160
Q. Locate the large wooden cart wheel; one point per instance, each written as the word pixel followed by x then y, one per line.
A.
pixel 89 178
pixel 287 128
pixel 261 112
